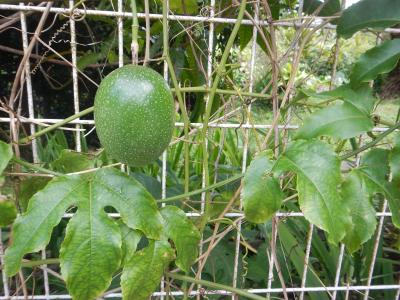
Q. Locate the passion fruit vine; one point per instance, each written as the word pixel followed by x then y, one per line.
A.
pixel 134 115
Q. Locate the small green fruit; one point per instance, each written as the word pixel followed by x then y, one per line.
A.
pixel 134 115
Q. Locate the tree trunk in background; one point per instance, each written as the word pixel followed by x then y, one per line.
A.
pixel 390 88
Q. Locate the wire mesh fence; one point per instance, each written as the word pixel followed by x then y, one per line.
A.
pixel 210 16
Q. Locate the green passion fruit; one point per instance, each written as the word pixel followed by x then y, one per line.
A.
pixel 134 115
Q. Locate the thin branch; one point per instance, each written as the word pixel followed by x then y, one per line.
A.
pixel 147 19
pixel 199 191
pixel 56 125
pixel 371 144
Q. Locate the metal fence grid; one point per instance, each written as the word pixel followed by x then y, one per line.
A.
pixel 300 291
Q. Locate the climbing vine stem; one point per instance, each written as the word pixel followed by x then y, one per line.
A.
pixel 371 144
pixel 135 31
pixel 219 74
pixel 56 125
pixel 178 93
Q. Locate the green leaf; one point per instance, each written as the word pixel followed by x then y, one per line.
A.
pixel 130 241
pixel 220 264
pixel 360 97
pixel 394 186
pixel 261 193
pixel 91 251
pixel 8 213
pixel 30 186
pixel 393 196
pixel 368 14
pixel 90 57
pixel 71 161
pixel 187 7
pixel 5 155
pixel 362 212
pixel 141 276
pixel 330 7
pixel 318 178
pixel 137 207
pixel 291 245
pixel 394 160
pixel 245 34
pixel 374 164
pixel 378 60
pixel 183 233
pixel 375 168
pixel 32 230
pixel 340 120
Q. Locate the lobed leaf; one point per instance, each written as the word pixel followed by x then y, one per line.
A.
pixel 378 60
pixel 368 14
pixel 91 252
pixel 142 274
pixel 137 207
pixel 261 193
pixel 318 179
pixel 32 230
pixel 183 233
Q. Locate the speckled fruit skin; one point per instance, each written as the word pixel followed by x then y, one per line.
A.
pixel 134 115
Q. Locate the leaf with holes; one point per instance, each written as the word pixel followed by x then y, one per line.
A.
pixel 261 193
pixel 91 251
pixel 318 179
pixel 368 14
pixel 142 274
pixel 183 233
pixel 362 212
pixel 340 120
pixel 5 155
pixel 378 60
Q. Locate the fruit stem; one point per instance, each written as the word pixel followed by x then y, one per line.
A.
pixel 135 30
pixel 56 125
pixel 219 73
